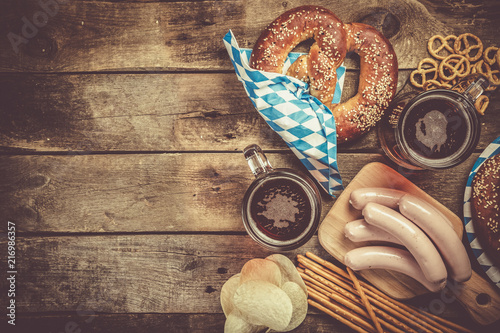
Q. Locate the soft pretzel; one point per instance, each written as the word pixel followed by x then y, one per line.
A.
pixel 326 54
pixel 333 39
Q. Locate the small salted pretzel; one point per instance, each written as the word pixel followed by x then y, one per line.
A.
pixel 463 47
pixel 444 43
pixel 492 74
pixel 454 66
pixel 490 55
pixel 497 57
pixel 427 70
pixel 481 104
pixel 460 65
pixel 435 84
pixel 475 70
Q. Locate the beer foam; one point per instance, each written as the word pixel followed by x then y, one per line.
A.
pixel 281 209
pixel 431 130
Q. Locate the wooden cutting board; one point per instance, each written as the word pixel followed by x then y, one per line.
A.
pixel 478 296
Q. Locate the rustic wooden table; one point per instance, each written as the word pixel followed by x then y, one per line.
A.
pixel 121 129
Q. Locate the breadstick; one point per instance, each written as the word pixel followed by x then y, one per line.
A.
pixel 332 275
pixel 352 297
pixel 404 312
pixel 380 298
pixel 387 322
pixel 336 316
pixel 365 300
pixel 356 319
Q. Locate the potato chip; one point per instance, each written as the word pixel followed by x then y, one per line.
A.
pixel 261 269
pixel 288 270
pixel 299 304
pixel 227 293
pixel 263 303
pixel 236 324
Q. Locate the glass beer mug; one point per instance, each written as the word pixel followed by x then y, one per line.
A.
pixel 282 207
pixel 436 129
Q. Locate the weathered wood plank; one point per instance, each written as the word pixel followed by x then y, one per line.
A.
pixel 137 35
pixel 107 112
pixel 178 323
pixel 150 112
pixel 161 192
pixel 131 273
pixel 467 16
pixel 142 275
pixel 175 323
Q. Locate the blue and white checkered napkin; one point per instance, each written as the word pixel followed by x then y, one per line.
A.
pixel 306 124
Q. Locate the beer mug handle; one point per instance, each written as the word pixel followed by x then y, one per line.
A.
pixel 257 161
pixel 477 86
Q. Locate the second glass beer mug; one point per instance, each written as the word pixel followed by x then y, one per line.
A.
pixel 436 129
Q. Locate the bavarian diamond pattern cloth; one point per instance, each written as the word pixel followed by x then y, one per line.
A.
pixel 304 123
pixel 486 263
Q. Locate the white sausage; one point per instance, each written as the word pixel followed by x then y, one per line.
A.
pixel 438 228
pixel 384 196
pixel 414 239
pixel 360 231
pixel 391 258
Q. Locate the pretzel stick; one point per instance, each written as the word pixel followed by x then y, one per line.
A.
pixel 398 306
pixel 324 300
pixel 332 285
pixel 351 296
pixel 339 280
pixel 339 299
pixel 442 320
pixel 311 285
pixel 406 310
pixel 411 312
pixel 395 311
pixel 336 281
pixel 356 319
pixel 336 316
pixel 327 264
pixel 436 327
pixel 388 322
pixel 365 301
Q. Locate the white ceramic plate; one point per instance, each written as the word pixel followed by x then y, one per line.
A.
pixel 486 263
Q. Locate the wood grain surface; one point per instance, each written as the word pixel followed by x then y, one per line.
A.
pixel 121 129
pixel 184 35
pixel 151 112
pixel 142 278
pixel 161 192
pixel 89 321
